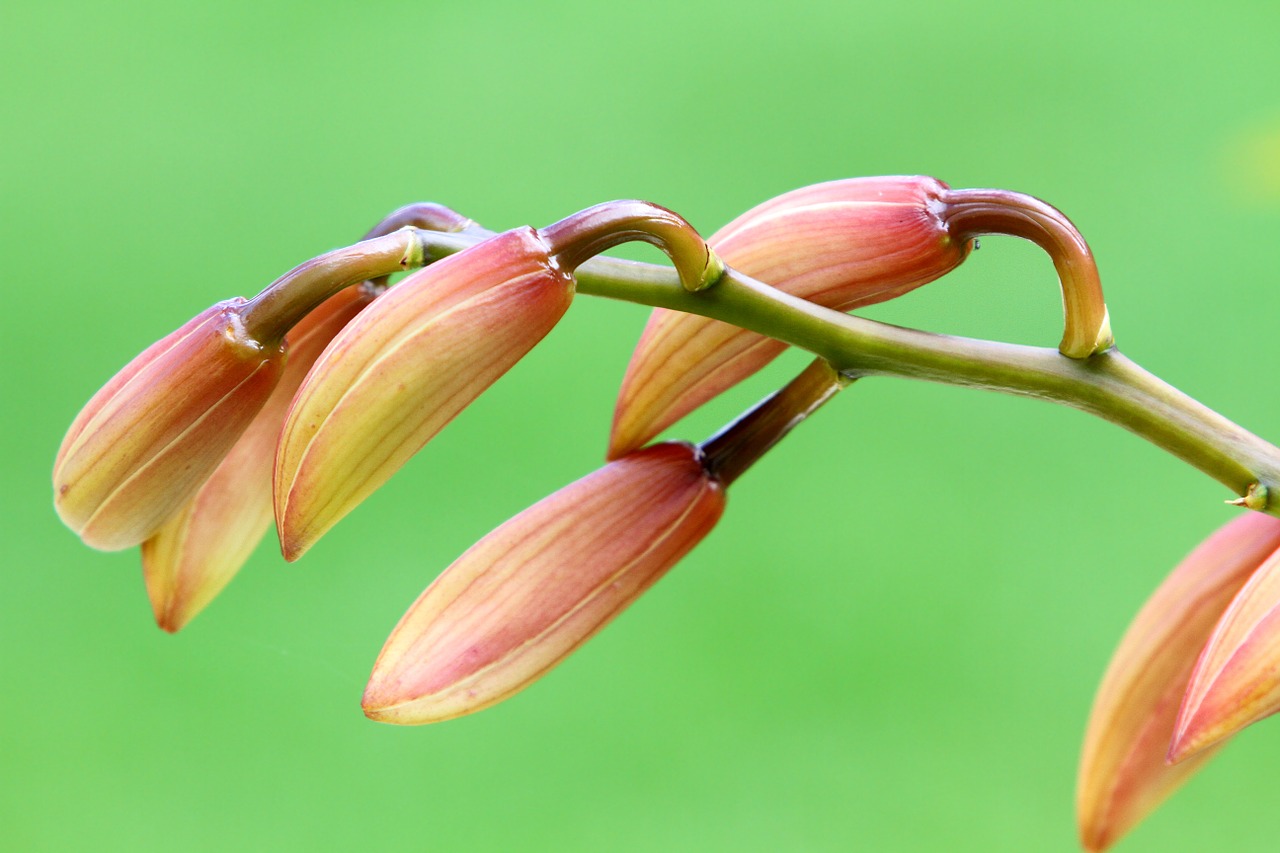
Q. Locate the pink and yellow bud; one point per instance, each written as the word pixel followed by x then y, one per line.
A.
pixel 532 591
pixel 145 443
pixel 1237 678
pixel 842 244
pixel 200 549
pixel 398 373
pixel 1123 771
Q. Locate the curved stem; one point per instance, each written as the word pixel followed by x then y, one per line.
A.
pixel 1106 384
pixel 390 246
pixel 587 233
pixel 971 213
pixel 427 215
pixel 270 315
pixel 423 214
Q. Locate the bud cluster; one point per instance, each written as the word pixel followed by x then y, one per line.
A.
pixel 294 407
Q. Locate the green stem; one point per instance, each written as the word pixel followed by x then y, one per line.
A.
pixel 426 215
pixel 1106 384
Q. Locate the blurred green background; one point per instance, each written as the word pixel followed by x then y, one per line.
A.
pixel 892 640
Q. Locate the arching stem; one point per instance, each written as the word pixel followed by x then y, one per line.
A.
pixel 1106 384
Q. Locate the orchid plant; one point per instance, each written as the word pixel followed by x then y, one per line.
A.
pixel 295 405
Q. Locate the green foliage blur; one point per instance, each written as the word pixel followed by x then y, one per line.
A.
pixel 892 640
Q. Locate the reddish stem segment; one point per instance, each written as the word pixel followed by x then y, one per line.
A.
pixel 428 216
pixel 391 245
pixel 270 315
pixel 730 452
pixel 589 232
pixel 972 213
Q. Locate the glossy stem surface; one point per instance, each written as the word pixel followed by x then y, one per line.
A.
pixel 1106 384
pixel 971 213
pixel 270 315
pixel 427 215
pixel 577 238
pixel 730 452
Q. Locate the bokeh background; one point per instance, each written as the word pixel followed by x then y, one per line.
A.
pixel 892 640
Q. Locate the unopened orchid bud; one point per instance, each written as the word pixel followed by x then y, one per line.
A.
pixel 532 591
pixel 1123 771
pixel 1236 681
pixel 146 442
pixel 843 244
pixel 201 548
pixel 416 358
pixel 398 373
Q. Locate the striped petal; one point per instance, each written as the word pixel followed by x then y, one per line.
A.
pixel 403 369
pixel 532 591
pixel 1237 678
pixel 145 443
pixel 1123 772
pixel 189 560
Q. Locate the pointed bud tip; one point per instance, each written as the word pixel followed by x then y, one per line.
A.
pixel 171 602
pixel 292 548
pixel 384 702
pixel 1096 843
pixel 168 606
pixel 170 624
pixel 1206 729
pixel 1192 735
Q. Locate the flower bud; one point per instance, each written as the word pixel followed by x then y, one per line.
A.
pixel 146 442
pixel 532 591
pixel 842 244
pixel 1123 772
pixel 398 373
pixel 200 549
pixel 1236 681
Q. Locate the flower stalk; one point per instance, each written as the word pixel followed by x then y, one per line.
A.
pixel 972 213
pixel 1107 384
pixel 278 308
pixel 175 452
pixel 730 452
pixel 580 237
